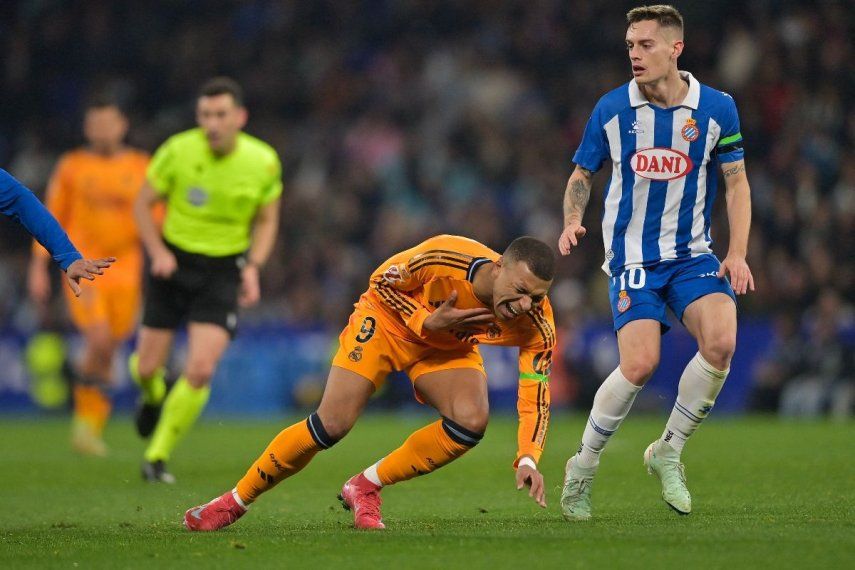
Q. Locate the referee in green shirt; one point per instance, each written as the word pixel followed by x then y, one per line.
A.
pixel 221 188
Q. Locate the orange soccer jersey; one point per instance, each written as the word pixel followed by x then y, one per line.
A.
pixel 406 288
pixel 92 196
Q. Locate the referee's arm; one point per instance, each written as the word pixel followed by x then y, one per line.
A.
pixel 163 263
pixel 264 230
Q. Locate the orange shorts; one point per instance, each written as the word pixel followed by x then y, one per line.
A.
pixel 116 305
pixel 368 349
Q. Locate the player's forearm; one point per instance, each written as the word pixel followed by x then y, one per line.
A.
pixel 264 236
pixel 739 216
pixel 411 311
pixel 533 409
pixel 17 202
pixel 576 195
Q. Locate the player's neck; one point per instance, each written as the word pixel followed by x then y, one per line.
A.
pixel 482 283
pixel 106 151
pixel 225 150
pixel 666 92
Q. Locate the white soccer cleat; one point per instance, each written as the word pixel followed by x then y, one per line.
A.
pixel 576 494
pixel 663 461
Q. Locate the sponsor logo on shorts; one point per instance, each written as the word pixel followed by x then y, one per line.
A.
pixel 623 302
pixel 709 274
pixel 660 163
pixel 231 321
pixel 355 354
pixel 690 130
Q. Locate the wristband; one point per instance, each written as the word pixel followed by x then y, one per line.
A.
pixel 527 461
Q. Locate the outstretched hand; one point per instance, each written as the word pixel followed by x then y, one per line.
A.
pixel 530 477
pixel 86 269
pixel 447 317
pixel 570 237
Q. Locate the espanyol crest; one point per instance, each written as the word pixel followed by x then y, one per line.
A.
pixel 690 130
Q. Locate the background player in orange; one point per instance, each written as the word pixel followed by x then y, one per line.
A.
pixel 426 311
pixel 91 193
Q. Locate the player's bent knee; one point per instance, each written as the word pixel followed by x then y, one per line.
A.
pixel 199 374
pixel 326 434
pixel 472 416
pixel 147 369
pixel 461 434
pixel 639 370
pixel 718 350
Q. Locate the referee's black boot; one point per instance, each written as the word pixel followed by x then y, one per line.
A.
pixel 155 472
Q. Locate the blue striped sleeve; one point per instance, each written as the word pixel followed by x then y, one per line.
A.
pixel 594 148
pixel 729 147
pixel 17 202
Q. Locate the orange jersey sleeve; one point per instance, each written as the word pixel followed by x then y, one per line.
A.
pixel 533 399
pixel 440 264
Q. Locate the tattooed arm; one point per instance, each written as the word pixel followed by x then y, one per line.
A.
pixel 575 200
pixel 738 196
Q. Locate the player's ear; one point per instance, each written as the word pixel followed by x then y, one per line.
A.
pixel 677 49
pixel 243 117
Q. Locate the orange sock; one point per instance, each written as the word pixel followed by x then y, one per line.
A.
pixel 426 450
pixel 92 406
pixel 286 455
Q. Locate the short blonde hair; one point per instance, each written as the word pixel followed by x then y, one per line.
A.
pixel 665 15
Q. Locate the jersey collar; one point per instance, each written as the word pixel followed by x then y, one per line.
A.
pixel 693 97
pixel 473 267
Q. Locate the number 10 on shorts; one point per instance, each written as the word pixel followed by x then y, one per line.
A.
pixel 636 277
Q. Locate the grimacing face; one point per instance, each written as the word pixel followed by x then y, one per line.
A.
pixel 517 290
pixel 105 128
pixel 653 49
pixel 222 119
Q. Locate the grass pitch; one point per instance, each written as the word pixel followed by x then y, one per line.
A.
pixel 766 494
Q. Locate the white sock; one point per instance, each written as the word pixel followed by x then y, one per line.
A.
pixel 611 405
pixel 699 386
pixel 238 500
pixel 371 474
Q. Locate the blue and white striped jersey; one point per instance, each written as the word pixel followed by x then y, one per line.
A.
pixel 659 198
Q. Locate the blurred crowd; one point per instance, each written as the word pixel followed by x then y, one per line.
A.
pixel 400 119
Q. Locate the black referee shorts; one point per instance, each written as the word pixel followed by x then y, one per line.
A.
pixel 202 290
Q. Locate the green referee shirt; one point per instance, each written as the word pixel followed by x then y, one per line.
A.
pixel 212 200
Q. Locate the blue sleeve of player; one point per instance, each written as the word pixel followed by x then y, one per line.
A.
pixel 594 148
pixel 729 147
pixel 17 202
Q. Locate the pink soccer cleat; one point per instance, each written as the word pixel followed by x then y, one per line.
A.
pixel 363 498
pixel 219 513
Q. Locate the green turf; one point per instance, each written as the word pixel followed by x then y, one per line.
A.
pixel 766 494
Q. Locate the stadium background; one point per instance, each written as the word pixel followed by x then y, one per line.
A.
pixel 397 120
